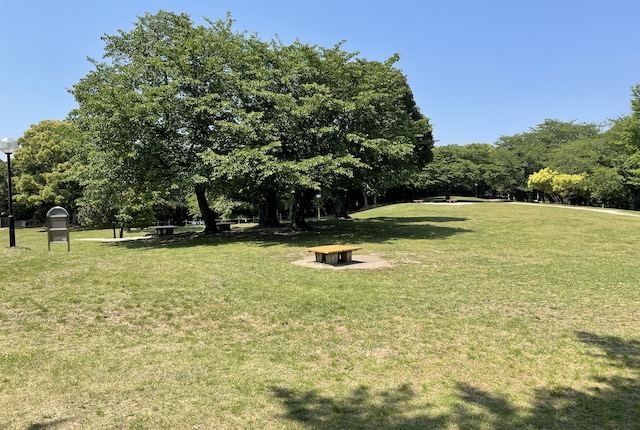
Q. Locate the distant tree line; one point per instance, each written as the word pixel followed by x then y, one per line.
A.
pixel 562 162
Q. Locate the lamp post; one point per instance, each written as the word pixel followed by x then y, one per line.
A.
pixel 318 204
pixel 9 146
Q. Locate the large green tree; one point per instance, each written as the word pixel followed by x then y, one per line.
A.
pixel 166 94
pixel 631 137
pixel 535 148
pixel 215 112
pixel 288 131
pixel 450 170
pixel 111 200
pixel 393 138
pixel 476 168
pixel 320 119
pixel 46 169
pixel 505 172
pixel 607 187
pixel 602 159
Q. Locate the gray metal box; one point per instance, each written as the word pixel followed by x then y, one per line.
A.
pixel 58 226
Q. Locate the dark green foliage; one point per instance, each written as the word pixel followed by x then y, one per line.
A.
pixel 535 147
pixel 608 160
pixel 450 170
pixel 4 189
pixel 207 110
pixel 46 170
pixel 165 97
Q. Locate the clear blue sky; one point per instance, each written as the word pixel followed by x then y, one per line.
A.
pixel 479 69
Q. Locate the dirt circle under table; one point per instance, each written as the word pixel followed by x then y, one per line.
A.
pixel 371 261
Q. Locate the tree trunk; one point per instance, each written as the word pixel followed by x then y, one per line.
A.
pixel 208 214
pixel 366 199
pixel 340 206
pixel 121 232
pixel 268 208
pixel 448 194
pixel 300 201
pixel 635 200
pixel 114 232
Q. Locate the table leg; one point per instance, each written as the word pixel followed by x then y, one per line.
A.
pixel 332 259
pixel 345 257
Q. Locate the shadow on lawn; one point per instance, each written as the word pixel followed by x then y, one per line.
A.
pixel 612 402
pixel 373 230
pixel 49 424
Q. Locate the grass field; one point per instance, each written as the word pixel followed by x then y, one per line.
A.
pixel 492 316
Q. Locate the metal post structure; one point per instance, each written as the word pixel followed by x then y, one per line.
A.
pixel 318 196
pixel 12 221
pixel 9 146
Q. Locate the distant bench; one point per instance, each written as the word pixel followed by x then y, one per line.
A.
pixel 333 254
pixel 163 230
pixel 223 226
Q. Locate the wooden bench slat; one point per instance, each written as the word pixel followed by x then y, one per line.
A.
pixel 333 249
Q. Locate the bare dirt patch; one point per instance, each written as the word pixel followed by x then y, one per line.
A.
pixel 371 261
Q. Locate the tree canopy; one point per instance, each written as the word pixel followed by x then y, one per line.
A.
pixel 207 110
pixel 564 161
pixel 4 189
pixel 45 170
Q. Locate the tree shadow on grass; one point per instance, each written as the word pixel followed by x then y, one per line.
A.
pixel 612 402
pixel 362 409
pixel 416 219
pixel 48 424
pixel 373 230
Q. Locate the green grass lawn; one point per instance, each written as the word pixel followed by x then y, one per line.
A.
pixel 493 316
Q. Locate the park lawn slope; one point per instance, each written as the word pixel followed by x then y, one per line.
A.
pixel 493 315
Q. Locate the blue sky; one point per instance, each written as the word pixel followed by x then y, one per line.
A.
pixel 478 69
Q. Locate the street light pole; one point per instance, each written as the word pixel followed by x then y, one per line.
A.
pixel 9 146
pixel 12 221
pixel 318 196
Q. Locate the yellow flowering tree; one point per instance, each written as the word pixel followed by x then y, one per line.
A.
pixel 542 180
pixel 568 186
pixel 560 187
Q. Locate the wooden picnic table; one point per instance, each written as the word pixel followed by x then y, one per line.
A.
pixel 223 226
pixel 333 254
pixel 163 230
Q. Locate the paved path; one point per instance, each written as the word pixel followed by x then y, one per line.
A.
pixel 583 208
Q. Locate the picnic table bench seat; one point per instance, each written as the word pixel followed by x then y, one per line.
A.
pixel 333 254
